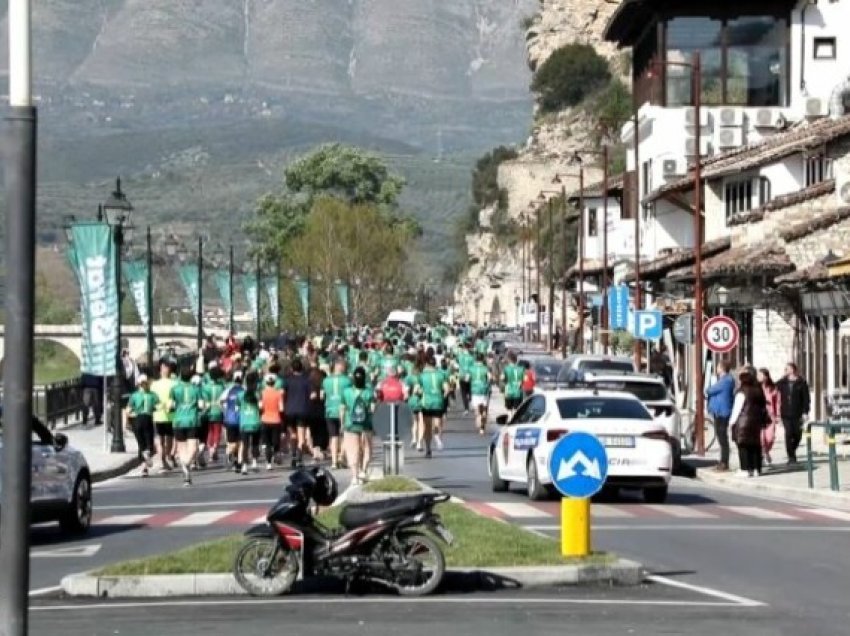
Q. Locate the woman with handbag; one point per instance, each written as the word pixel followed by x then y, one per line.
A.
pixel 771 396
pixel 749 416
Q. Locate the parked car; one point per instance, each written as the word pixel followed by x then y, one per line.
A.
pixel 546 370
pixel 575 366
pixel 639 455
pixel 61 481
pixel 651 390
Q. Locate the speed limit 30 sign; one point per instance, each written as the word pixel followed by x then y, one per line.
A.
pixel 720 334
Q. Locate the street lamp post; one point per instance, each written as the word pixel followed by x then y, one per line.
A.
pixel 200 292
pixel 149 299
pixel 558 178
pixel 259 281
pixel 542 196
pixel 118 212
pixel 232 317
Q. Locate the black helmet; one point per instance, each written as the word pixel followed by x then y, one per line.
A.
pixel 326 490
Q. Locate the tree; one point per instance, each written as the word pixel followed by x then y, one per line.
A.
pixel 280 219
pixel 347 173
pixel 485 183
pixel 569 75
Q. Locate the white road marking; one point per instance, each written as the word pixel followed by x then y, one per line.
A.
pixel 64 553
pixel 199 504
pixel 260 520
pixel 123 520
pixel 456 500
pixel 758 513
pixel 707 591
pixel 682 512
pixel 45 590
pixel 827 512
pixel 609 512
pixel 513 509
pixel 676 527
pixel 200 518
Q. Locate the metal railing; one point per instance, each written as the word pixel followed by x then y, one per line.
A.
pixel 59 403
pixel 831 429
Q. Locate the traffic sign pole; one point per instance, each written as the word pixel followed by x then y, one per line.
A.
pixel 575 527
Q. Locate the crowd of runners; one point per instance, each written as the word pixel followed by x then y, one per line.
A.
pixel 313 399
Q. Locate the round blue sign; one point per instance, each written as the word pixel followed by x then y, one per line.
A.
pixel 578 465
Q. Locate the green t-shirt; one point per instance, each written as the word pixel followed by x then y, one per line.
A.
pixel 353 357
pixel 413 381
pixel 512 377
pixel 388 362
pixel 481 346
pixel 186 400
pixel 358 409
pixel 249 414
pixel 143 402
pixel 465 362
pixel 479 377
pixel 211 392
pixel 433 397
pixel 334 387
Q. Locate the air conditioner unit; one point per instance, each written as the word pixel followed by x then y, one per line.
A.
pixel 673 168
pixel 816 107
pixel 690 117
pixel 731 117
pixel 730 137
pixel 704 147
pixel 765 118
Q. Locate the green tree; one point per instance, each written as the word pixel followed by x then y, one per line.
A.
pixel 280 219
pixel 347 173
pixel 569 75
pixel 485 183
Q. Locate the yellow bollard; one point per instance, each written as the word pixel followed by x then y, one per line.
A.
pixel 575 527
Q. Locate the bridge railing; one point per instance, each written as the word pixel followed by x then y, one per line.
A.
pixel 59 403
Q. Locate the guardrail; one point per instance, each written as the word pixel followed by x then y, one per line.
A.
pixel 59 403
pixel 831 429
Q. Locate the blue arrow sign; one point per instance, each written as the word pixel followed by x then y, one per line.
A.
pixel 578 465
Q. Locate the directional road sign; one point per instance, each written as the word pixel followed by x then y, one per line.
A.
pixel 618 307
pixel 720 334
pixel 578 465
pixel 649 325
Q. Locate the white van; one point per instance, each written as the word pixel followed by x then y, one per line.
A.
pixel 408 318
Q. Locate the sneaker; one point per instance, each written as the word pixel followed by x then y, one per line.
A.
pixel 428 454
pixel 293 463
pixel 741 473
pixel 356 482
pixel 202 460
pixel 363 476
pixel 164 469
pixel 413 443
pixel 244 469
pixel 268 466
pixel 466 413
pixel 146 457
pixel 185 470
pixel 334 466
pixel 144 471
pixel 193 466
pixel 237 468
pixel 254 467
pixel 419 447
pixel 187 482
pixel 439 442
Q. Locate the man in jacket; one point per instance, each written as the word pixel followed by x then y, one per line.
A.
pixel 794 405
pixel 721 396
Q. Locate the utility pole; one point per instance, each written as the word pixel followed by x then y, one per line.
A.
pixel 581 299
pixel 637 211
pixel 149 300
pixel 537 268
pixel 604 320
pixel 20 173
pixel 230 289
pixel 699 415
pixel 551 269
pixel 200 292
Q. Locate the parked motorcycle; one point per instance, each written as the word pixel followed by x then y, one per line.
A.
pixel 383 541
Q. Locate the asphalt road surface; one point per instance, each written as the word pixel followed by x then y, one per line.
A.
pixel 720 562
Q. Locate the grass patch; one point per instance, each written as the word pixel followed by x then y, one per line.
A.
pixel 392 484
pixel 480 542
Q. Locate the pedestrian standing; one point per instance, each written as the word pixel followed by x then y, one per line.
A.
pixel 140 409
pixel 749 416
pixel 771 396
pixel 794 406
pixel 721 396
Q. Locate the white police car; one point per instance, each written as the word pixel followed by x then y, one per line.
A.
pixel 639 453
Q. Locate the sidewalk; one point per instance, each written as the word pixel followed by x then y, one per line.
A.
pixel 779 480
pixel 103 464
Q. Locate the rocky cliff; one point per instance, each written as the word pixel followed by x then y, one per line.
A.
pixel 489 289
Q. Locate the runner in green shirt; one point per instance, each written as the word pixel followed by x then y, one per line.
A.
pixel 212 390
pixel 140 409
pixel 358 403
pixel 186 402
pixel 512 383
pixel 434 390
pixel 333 389
pixel 250 422
pixel 465 362
pixel 480 380
pixel 413 381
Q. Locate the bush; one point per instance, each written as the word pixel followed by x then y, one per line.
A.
pixel 485 183
pixel 612 104
pixel 569 75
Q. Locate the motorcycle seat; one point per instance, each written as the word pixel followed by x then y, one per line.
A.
pixel 361 514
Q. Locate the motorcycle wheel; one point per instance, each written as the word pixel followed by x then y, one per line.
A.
pixel 421 565
pixel 262 568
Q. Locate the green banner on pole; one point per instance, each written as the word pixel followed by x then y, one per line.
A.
pixel 189 277
pixel 273 293
pixel 222 283
pixel 303 287
pixel 342 291
pixel 136 275
pixel 93 258
pixel 249 281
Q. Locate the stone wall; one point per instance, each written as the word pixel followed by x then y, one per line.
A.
pixel 773 339
pixel 812 248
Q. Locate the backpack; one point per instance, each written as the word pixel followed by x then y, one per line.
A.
pixel 231 406
pixel 359 412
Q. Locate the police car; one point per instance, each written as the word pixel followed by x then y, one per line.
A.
pixel 639 453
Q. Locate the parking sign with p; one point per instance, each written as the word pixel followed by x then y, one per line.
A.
pixel 649 325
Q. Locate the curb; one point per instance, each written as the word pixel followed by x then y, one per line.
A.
pixel 622 572
pixel 109 473
pixel 816 496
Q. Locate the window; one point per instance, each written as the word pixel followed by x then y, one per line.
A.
pixel 644 391
pixel 592 223
pixel 744 60
pixel 743 195
pixel 602 408
pixel 818 169
pixel 824 48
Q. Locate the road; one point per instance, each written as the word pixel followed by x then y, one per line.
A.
pixel 725 561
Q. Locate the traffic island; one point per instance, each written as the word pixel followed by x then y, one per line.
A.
pixel 487 554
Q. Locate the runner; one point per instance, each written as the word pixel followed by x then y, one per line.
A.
pixel 272 411
pixel 465 361
pixel 480 379
pixel 141 408
pixel 297 411
pixel 249 422
pixel 162 416
pixel 185 401
pixel 333 389
pixel 230 400
pixel 413 382
pixel 212 391
pixel 358 403
pixel 434 389
pixel 512 383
